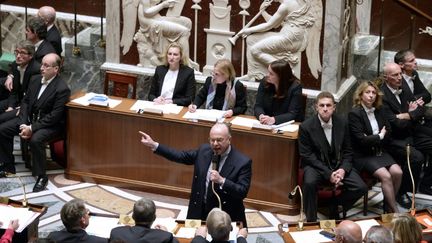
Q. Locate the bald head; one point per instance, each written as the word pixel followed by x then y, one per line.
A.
pixel 220 138
pixel 48 14
pixel 393 75
pixel 348 232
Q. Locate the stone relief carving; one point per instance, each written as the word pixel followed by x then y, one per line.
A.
pixel 300 22
pixel 156 31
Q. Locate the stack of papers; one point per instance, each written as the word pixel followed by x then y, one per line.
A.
pixel 189 233
pixel 205 115
pixel 93 97
pixel 149 105
pixel 24 216
pixel 250 123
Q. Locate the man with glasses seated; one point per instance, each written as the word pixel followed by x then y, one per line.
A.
pixel 231 176
pixel 41 119
pixel 16 83
pixel 75 217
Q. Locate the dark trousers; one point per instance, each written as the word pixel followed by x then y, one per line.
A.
pixel 37 144
pixel 352 190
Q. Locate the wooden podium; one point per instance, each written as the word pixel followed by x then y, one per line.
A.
pixel 30 233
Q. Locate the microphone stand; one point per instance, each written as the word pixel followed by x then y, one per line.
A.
pixel 214 167
pixel 412 209
pixel 24 202
pixel 291 195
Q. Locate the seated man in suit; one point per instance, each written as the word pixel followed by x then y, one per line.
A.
pixel 326 156
pixel 16 83
pixel 41 119
pixel 231 174
pixel 36 32
pixel 75 217
pixel 144 214
pixel 218 226
pixel 404 113
pixel 48 14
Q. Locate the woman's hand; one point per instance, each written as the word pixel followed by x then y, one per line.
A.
pixel 192 108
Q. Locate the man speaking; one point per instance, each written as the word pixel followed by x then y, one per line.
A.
pixel 230 173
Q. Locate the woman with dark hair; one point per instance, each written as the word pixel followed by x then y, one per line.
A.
pixel 370 136
pixel 173 82
pixel 279 97
pixel 221 91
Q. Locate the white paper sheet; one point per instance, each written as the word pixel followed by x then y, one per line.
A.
pixel 24 216
pixel 169 223
pixel 244 122
pixel 308 236
pixel 102 226
pixel 84 100
pixel 365 225
pixel 166 109
pixel 204 114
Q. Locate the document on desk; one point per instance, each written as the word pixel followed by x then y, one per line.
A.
pixel 166 109
pixel 189 233
pixel 85 100
pixel 308 236
pixel 95 222
pixel 365 225
pixel 169 223
pixel 206 115
pixel 24 215
pixel 244 122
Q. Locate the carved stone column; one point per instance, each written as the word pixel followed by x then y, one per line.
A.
pixel 218 45
pixel 112 30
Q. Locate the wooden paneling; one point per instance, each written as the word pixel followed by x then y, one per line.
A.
pixel 104 147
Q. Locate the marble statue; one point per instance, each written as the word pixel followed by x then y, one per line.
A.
pixel 156 31
pixel 300 22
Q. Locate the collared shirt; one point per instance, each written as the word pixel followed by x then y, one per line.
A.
pixel 38 44
pixel 327 128
pixel 222 160
pixel 45 83
pixel 395 92
pixel 22 70
pixel 169 84
pixel 372 119
pixel 410 81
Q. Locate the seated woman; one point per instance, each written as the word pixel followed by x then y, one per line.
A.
pixel 173 82
pixel 279 97
pixel 370 134
pixel 221 91
pixel 405 228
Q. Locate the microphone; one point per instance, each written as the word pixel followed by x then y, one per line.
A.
pixel 291 196
pixel 214 166
pixel 24 202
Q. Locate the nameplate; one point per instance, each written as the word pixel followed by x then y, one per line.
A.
pixel 153 111
pixel 328 224
pixel 126 220
pixel 387 217
pixel 192 223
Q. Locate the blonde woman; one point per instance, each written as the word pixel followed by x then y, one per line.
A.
pixel 406 229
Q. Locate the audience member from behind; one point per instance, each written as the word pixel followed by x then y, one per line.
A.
pixel 173 82
pixel 378 234
pixel 279 97
pixel 219 227
pixel 406 229
pixel 36 32
pixel 75 217
pixel 371 132
pixel 348 232
pixel 9 233
pixel 221 91
pixel 48 14
pixel 144 214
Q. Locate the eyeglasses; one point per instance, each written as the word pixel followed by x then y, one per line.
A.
pixel 16 52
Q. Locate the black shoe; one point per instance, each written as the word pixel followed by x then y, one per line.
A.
pixel 404 200
pixel 41 184
pixel 426 190
pixel 4 174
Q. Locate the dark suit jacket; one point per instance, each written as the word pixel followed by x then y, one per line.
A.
pixel 141 234
pixel 285 109
pixel 237 172
pixel 361 131
pixel 200 239
pixel 419 88
pixel 240 106
pixel 19 90
pixel 184 90
pixel 80 236
pixel 391 107
pixel 314 148
pixel 54 37
pixel 44 48
pixel 49 110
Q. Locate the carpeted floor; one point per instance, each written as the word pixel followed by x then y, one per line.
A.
pixel 111 200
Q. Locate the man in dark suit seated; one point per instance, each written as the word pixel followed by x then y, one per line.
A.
pixel 144 214
pixel 48 14
pixel 218 226
pixel 16 83
pixel 36 32
pixel 231 178
pixel 405 114
pixel 42 118
pixel 75 217
pixel 326 156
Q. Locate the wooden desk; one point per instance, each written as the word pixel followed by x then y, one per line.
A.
pixel 103 146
